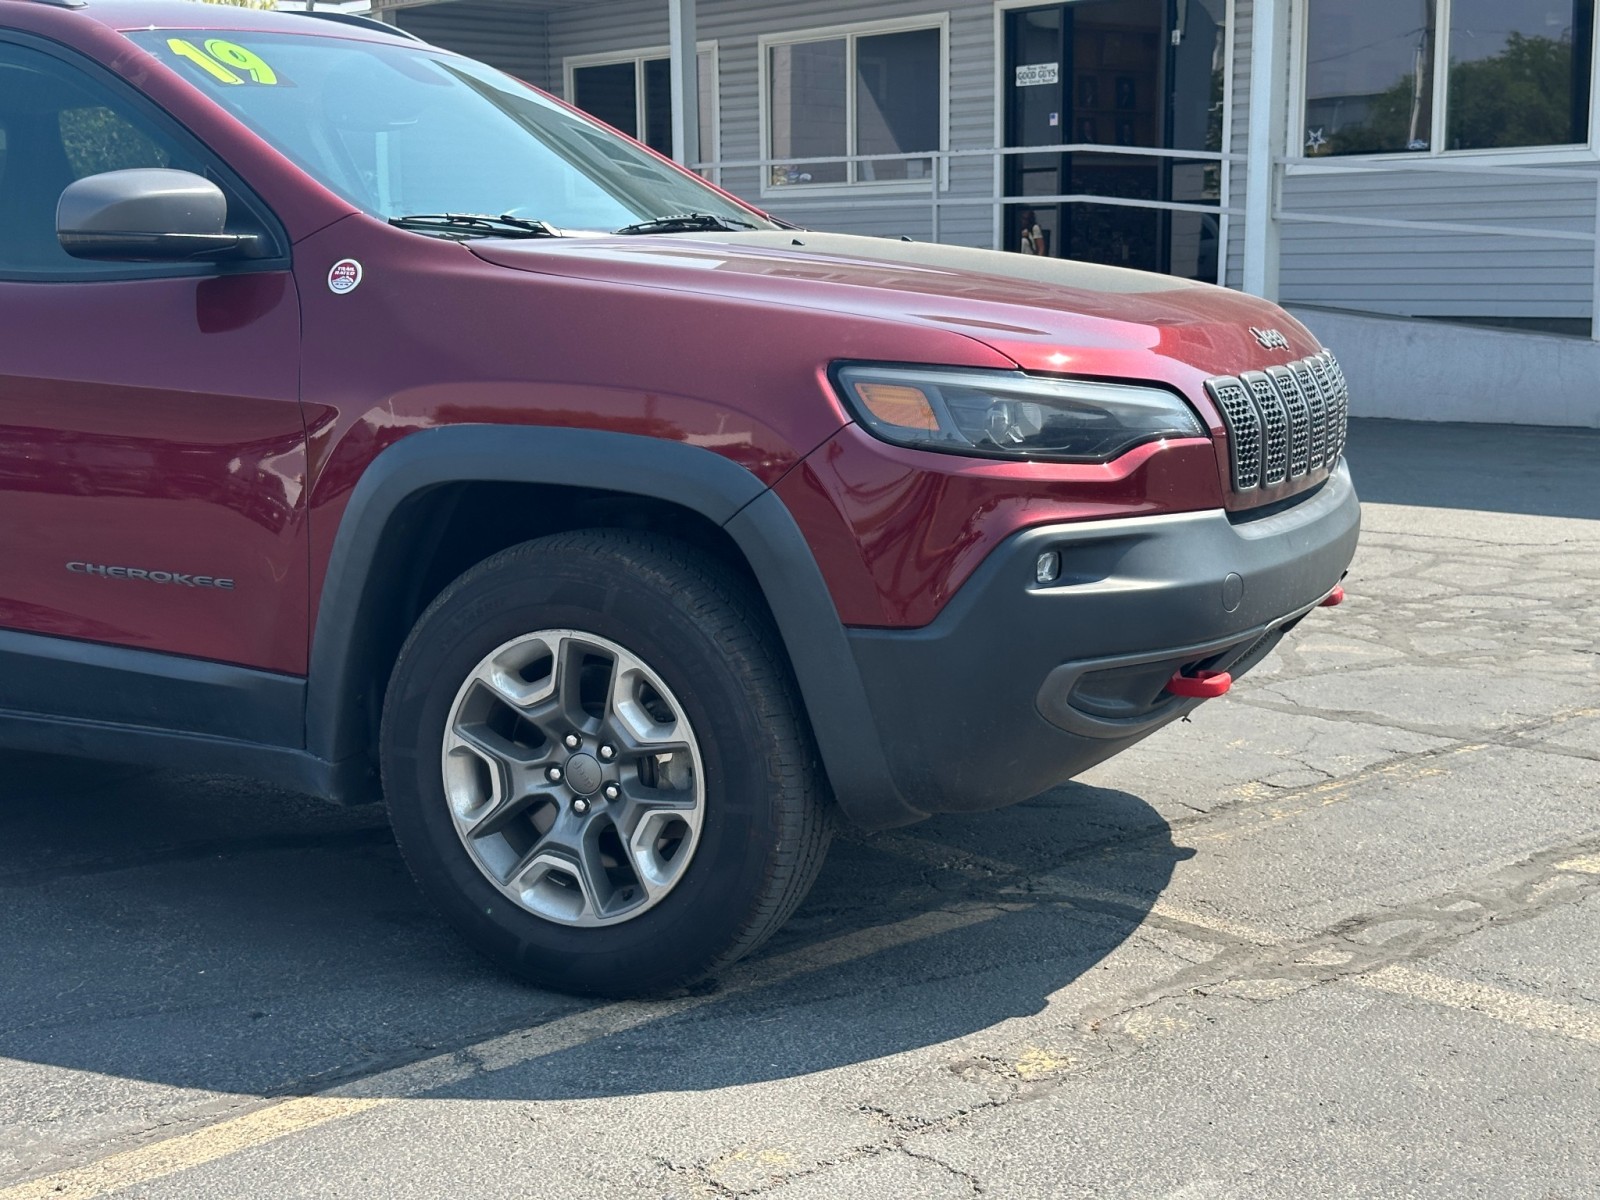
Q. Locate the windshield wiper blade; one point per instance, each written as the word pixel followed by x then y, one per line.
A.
pixel 474 225
pixel 690 222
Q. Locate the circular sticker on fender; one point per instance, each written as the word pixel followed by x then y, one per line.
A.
pixel 344 277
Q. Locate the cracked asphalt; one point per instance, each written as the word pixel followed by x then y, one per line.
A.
pixel 1339 935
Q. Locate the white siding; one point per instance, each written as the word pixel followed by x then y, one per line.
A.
pixel 1238 141
pixel 610 28
pixel 736 27
pixel 1411 272
pixel 1421 273
pixel 507 34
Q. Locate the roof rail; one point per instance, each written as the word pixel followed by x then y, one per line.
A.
pixel 66 3
pixel 342 18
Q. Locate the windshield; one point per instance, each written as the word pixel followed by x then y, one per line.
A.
pixel 400 130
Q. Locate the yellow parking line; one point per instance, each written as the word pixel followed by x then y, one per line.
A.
pixel 1499 1004
pixel 171 1155
pixel 1233 929
pixel 1511 1008
pixel 157 1160
pixel 144 1164
pixel 1059 885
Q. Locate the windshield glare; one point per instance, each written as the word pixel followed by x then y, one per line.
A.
pixel 399 130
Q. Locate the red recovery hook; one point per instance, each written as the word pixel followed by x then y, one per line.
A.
pixel 1202 685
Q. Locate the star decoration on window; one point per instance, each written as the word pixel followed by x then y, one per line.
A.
pixel 1315 140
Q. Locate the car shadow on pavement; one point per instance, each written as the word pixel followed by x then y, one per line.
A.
pixel 1486 468
pixel 203 933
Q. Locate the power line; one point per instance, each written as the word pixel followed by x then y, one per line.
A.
pixel 1370 45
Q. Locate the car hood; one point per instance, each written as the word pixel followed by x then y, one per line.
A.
pixel 1044 314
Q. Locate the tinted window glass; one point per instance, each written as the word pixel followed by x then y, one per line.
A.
pixel 607 89
pixel 658 104
pixel 808 110
pixel 61 125
pixel 100 139
pixel 861 95
pixel 609 92
pixel 897 101
pixel 1519 73
pixel 1369 76
pixel 1200 69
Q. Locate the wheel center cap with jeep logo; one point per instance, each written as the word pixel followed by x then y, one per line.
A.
pixel 583 774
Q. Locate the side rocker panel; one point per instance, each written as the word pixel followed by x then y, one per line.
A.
pixel 91 681
pixel 60 696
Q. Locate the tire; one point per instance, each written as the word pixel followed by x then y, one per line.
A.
pixel 634 874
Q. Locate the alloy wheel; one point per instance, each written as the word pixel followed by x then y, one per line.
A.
pixel 573 778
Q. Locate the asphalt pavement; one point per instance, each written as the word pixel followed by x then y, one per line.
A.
pixel 1339 935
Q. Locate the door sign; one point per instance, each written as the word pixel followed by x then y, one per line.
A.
pixel 1037 74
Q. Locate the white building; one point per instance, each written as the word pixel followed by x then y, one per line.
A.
pixel 1418 180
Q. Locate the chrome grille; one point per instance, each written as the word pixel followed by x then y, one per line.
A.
pixel 1244 431
pixel 1274 427
pixel 1294 403
pixel 1317 410
pixel 1342 391
pixel 1283 422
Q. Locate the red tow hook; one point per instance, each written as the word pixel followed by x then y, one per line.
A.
pixel 1202 685
pixel 1335 598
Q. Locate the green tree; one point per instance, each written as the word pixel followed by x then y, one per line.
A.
pixel 1519 97
pixel 98 139
pixel 1387 126
pixel 1522 96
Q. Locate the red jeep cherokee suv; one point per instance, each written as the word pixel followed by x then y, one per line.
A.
pixel 367 417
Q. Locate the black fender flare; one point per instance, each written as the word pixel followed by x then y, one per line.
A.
pixel 343 650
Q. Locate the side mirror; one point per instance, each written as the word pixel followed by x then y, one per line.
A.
pixel 149 215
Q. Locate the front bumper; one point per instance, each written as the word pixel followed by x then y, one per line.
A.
pixel 1018 686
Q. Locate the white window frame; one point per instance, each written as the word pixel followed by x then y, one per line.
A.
pixel 850 33
pixel 710 156
pixel 1507 156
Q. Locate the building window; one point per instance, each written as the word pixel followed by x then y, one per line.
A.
pixel 1424 76
pixel 633 93
pixel 868 90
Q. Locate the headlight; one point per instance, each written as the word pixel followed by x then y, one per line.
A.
pixel 1007 414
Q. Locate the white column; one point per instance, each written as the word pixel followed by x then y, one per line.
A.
pixel 1266 138
pixel 685 81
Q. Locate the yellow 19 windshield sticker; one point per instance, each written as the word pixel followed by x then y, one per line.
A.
pixel 226 62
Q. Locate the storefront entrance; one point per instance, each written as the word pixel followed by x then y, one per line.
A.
pixel 1118 73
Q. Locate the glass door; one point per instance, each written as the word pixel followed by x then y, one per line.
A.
pixel 1117 73
pixel 1037 114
